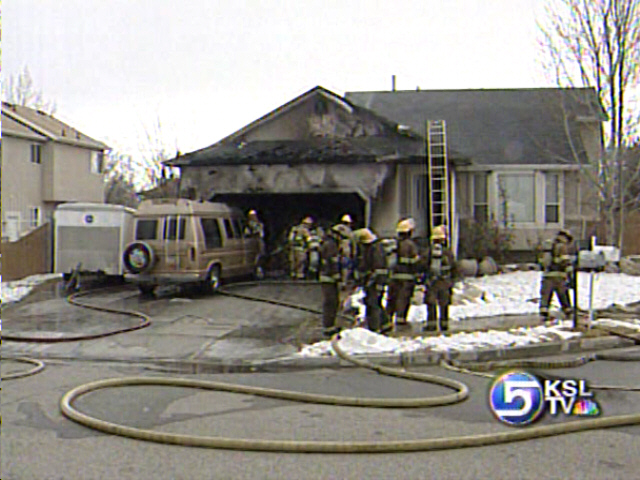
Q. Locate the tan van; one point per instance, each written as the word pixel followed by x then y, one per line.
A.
pixel 182 241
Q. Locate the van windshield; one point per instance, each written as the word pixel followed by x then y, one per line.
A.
pixel 146 229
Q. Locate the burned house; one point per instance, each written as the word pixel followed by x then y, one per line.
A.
pixel 380 156
pixel 323 156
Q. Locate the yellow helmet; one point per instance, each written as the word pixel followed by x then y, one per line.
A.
pixel 439 233
pixel 252 213
pixel 405 226
pixel 346 218
pixel 364 235
pixel 308 221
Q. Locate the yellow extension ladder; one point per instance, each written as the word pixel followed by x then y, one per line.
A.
pixel 438 176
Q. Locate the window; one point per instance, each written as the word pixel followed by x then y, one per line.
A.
pixel 174 230
pixel 34 217
pixel 146 229
pixel 212 234
pixel 516 197
pixel 97 162
pixel 480 197
pixel 36 153
pixel 237 228
pixel 228 228
pixel 552 198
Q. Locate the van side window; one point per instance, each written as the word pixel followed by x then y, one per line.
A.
pixel 146 229
pixel 238 227
pixel 212 234
pixel 173 229
pixel 228 228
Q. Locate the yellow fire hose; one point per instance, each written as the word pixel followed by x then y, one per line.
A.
pixel 289 446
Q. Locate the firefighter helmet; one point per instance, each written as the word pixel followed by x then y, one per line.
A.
pixel 405 226
pixel 308 221
pixel 364 235
pixel 346 218
pixel 566 233
pixel 439 233
pixel 340 229
pixel 252 213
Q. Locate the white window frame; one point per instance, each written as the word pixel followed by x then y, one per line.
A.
pixel 472 190
pixel 96 159
pixel 559 204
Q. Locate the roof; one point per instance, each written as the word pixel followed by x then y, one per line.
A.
pixel 313 150
pixel 494 127
pixel 86 207
pixel 181 206
pixel 394 145
pixel 21 120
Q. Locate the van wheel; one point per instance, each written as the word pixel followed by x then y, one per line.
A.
pixel 147 290
pixel 212 283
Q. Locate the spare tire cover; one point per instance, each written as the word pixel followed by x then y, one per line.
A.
pixel 138 257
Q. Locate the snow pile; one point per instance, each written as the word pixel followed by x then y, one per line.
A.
pixel 18 289
pixel 362 341
pixel 519 293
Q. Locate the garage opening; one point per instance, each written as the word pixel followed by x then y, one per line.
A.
pixel 281 211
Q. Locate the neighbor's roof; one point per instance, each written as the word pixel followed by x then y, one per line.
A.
pixel 495 127
pixel 24 121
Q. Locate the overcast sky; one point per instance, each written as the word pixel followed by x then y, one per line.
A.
pixel 206 68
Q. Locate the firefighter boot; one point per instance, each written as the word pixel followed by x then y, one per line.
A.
pixel 432 323
pixel 444 318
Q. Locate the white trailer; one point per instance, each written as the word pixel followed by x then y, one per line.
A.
pixel 91 236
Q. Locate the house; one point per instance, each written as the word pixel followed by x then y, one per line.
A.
pixel 509 155
pixel 45 162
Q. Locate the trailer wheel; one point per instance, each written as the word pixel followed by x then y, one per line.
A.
pixel 138 257
pixel 146 290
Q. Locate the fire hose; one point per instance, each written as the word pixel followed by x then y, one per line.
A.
pixel 288 446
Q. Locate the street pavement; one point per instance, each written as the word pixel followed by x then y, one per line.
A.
pixel 39 443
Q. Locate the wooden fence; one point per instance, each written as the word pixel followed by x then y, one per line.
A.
pixel 631 241
pixel 30 255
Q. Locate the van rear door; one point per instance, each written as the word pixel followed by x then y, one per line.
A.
pixel 175 248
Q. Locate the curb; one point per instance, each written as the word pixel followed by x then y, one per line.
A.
pixel 401 360
pixel 405 359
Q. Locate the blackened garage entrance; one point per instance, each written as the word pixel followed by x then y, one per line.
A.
pixel 280 211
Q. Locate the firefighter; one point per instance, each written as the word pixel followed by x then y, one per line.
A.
pixel 347 247
pixel 557 263
pixel 403 275
pixel 330 276
pixel 440 275
pixel 371 274
pixel 298 238
pixel 312 249
pixel 255 229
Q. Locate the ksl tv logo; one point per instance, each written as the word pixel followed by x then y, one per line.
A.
pixel 519 398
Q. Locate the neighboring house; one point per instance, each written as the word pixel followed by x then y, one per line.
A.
pixel 45 162
pixel 365 154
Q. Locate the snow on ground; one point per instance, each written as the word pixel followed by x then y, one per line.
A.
pixel 518 293
pixel 504 294
pixel 18 289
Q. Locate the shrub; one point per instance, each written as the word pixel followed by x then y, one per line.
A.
pixel 484 239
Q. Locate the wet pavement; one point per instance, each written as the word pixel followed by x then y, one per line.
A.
pixel 186 325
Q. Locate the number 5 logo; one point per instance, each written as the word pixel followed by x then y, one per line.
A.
pixel 516 398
